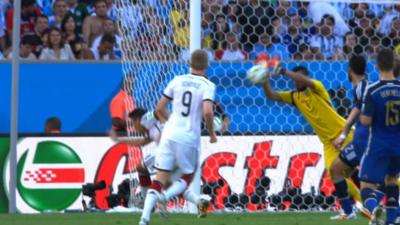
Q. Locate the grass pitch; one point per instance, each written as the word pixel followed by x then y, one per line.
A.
pixel 178 219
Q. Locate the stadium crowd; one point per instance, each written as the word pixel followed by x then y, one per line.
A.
pixel 231 29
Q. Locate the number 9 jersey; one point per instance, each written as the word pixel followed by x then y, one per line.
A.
pixel 187 93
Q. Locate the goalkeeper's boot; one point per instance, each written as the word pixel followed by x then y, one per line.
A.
pixel 143 222
pixel 344 216
pixel 378 216
pixel 202 208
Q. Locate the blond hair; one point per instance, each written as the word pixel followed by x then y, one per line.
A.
pixel 199 60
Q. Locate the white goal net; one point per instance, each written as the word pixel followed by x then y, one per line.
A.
pixel 269 157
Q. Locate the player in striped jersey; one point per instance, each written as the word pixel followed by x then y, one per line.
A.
pixel 349 158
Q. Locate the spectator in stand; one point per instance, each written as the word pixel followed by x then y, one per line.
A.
pixel 344 9
pixel 121 104
pixel 350 47
pixel 45 38
pixel 2 26
pixel 109 28
pixel 46 6
pixel 25 48
pixel 326 42
pixel 79 11
pixel 132 18
pixel 180 24
pixel 294 39
pixel 29 12
pixel 393 39
pixel 93 25
pixel 363 24
pixel 266 46
pixel 59 12
pixel 359 12
pixel 104 51
pixel 254 19
pixel 111 10
pixel 206 29
pixel 231 11
pixel 308 54
pixel 71 36
pixel 52 125
pixel 57 48
pixel 279 29
pixel 41 24
pixel 374 47
pixel 220 29
pixel 232 50
pixel 319 10
pixel 390 12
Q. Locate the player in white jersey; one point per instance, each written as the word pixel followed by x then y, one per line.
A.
pixel 151 128
pixel 192 97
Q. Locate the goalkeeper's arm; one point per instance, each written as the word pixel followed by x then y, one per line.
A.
pixel 271 94
pixel 355 112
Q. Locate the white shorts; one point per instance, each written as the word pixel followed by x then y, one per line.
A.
pixel 171 155
pixel 148 162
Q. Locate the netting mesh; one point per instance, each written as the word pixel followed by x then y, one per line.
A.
pixel 249 168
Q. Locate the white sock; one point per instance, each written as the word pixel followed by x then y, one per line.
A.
pixel 175 189
pixel 144 191
pixel 149 203
pixel 190 196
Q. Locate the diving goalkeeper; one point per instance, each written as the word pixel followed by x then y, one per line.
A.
pixel 312 100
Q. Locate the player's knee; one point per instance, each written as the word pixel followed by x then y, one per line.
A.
pixel 335 170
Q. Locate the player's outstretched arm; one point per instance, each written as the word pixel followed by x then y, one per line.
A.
pixel 161 111
pixel 269 93
pixel 298 77
pixel 133 141
pixel 208 115
pixel 351 120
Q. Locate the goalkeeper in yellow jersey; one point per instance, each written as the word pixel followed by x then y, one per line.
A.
pixel 312 100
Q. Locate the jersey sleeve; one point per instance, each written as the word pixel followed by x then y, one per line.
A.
pixel 169 90
pixel 286 96
pixel 209 93
pixel 117 109
pixel 148 120
pixel 368 105
pixel 357 101
pixel 319 88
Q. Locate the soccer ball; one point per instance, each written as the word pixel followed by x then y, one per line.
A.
pixel 257 74
pixel 218 124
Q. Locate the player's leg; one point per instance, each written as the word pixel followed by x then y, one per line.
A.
pixel 186 165
pixel 164 163
pixel 341 169
pixel 392 190
pixel 330 155
pixel 144 177
pixel 373 168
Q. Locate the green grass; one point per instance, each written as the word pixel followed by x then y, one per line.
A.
pixel 178 219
